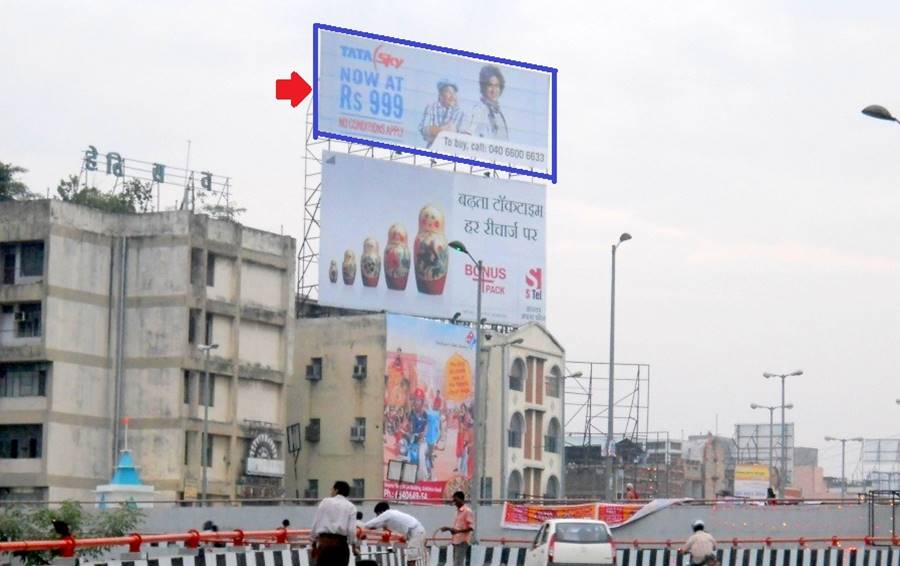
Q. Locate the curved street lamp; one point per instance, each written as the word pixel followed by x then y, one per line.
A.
pixel 784 471
pixel 879 112
pixel 610 439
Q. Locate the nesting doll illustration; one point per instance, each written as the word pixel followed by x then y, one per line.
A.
pixel 396 258
pixel 370 263
pixel 430 251
pixel 332 272
pixel 349 267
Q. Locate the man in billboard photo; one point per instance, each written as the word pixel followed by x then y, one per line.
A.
pixel 444 115
pixel 487 119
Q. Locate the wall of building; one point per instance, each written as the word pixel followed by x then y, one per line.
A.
pixel 88 256
pixel 338 399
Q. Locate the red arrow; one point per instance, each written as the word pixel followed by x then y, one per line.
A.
pixel 294 89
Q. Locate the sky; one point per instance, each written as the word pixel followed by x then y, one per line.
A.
pixel 725 137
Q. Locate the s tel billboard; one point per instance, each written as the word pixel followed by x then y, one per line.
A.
pixel 385 230
pixel 434 101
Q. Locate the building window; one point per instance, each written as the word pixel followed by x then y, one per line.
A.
pixel 23 380
pixel 211 401
pixel 552 491
pixel 196 266
pixel 209 328
pixel 32 261
pixel 9 264
pixel 516 427
pixel 210 270
pixel 187 446
pixel 551 440
pixel 514 485
pixel 358 488
pixel 28 320
pixel 554 379
pixel 187 387
pixel 312 489
pixel 20 441
pixel 193 320
pixel 517 376
pixel 314 369
pixel 358 430
pixel 487 490
pixel 209 450
pixel 361 368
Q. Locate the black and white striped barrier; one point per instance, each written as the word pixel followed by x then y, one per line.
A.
pixel 486 555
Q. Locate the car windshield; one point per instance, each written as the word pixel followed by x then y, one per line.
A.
pixel 581 532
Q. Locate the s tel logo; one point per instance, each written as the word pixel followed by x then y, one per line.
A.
pixel 534 279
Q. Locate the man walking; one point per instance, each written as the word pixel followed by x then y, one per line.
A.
pixel 334 528
pixel 405 524
pixel 462 529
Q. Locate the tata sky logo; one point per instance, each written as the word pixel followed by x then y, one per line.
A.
pixel 378 57
pixel 534 279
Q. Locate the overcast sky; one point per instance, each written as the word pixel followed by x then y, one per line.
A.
pixel 726 139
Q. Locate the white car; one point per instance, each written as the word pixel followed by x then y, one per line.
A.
pixel 572 541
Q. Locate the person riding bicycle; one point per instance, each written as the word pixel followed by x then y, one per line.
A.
pixel 701 545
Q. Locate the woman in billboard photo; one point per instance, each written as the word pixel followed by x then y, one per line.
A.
pixel 431 253
pixel 486 119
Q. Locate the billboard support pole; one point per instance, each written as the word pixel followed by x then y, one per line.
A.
pixel 479 400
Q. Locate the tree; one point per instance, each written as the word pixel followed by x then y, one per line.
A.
pixel 18 522
pixel 136 196
pixel 10 188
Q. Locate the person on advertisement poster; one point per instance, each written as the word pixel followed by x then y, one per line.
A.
pixel 405 524
pixel 486 119
pixel 465 422
pixel 433 433
pixel 334 528
pixel 418 423
pixel 443 115
pixel 462 529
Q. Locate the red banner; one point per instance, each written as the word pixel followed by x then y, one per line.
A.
pixel 531 516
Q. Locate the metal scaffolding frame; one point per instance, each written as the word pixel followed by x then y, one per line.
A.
pixel 586 405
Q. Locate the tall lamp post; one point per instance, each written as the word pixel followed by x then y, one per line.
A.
pixel 610 437
pixel 479 395
pixel 784 473
pixel 880 112
pixel 205 348
pixel 843 442
pixel 771 409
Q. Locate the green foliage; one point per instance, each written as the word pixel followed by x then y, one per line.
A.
pixel 229 211
pixel 19 522
pixel 135 196
pixel 10 188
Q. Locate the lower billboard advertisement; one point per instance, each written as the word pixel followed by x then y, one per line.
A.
pixel 428 409
pixel 751 481
pixel 385 234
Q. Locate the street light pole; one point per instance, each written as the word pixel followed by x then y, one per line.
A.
pixel 843 442
pixel 610 433
pixel 771 409
pixel 205 348
pixel 480 436
pixel 783 376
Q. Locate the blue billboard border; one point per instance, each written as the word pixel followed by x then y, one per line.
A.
pixel 552 176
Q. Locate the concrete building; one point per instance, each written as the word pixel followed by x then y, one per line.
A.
pixel 338 396
pixel 100 319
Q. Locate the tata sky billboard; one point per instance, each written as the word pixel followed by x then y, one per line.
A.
pixel 385 230
pixel 434 101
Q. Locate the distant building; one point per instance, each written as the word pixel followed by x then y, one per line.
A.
pixel 101 316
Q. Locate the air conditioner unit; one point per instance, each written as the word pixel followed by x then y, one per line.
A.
pixel 313 373
pixel 357 433
pixel 312 433
pixel 359 372
pixel 21 316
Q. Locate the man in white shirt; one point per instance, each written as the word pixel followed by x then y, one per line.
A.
pixel 701 545
pixel 404 524
pixel 334 528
